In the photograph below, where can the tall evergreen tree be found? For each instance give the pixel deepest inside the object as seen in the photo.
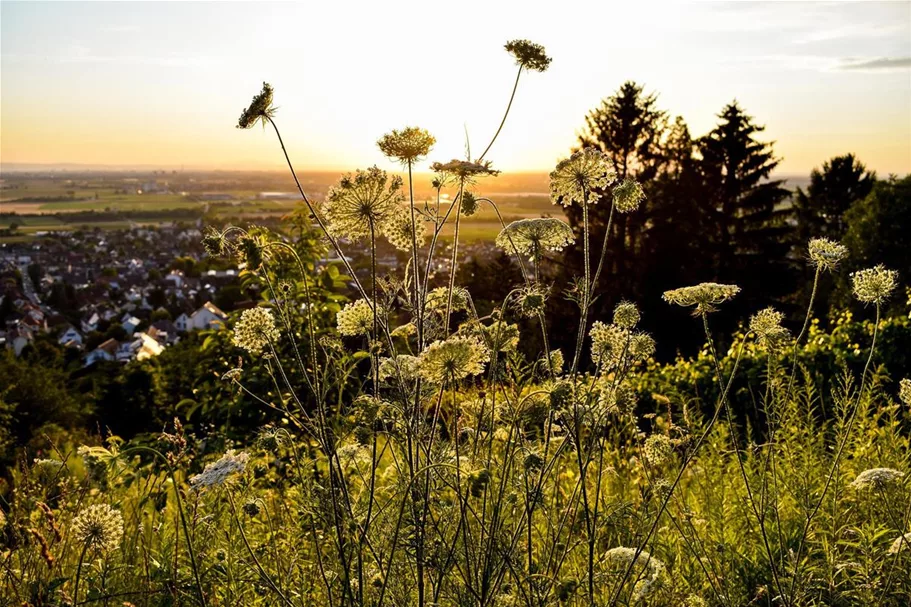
(821, 210)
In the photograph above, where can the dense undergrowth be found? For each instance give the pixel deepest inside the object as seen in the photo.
(421, 459)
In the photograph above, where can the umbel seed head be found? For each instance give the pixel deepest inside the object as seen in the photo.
(260, 109)
(529, 55)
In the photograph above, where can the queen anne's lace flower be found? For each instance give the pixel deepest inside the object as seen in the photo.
(255, 330)
(260, 109)
(438, 298)
(534, 236)
(581, 177)
(408, 146)
(404, 366)
(218, 472)
(466, 170)
(528, 54)
(874, 285)
(901, 543)
(626, 315)
(628, 195)
(877, 478)
(99, 527)
(904, 391)
(356, 318)
(608, 344)
(359, 200)
(452, 359)
(826, 254)
(398, 232)
(621, 557)
(766, 324)
(704, 296)
(657, 449)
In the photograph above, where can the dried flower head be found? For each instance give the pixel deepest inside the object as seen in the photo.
(652, 568)
(501, 337)
(465, 170)
(704, 296)
(402, 366)
(626, 315)
(657, 449)
(367, 198)
(580, 177)
(766, 324)
(469, 204)
(904, 391)
(218, 472)
(901, 543)
(255, 330)
(877, 478)
(628, 195)
(99, 527)
(398, 231)
(216, 243)
(618, 400)
(408, 146)
(452, 359)
(437, 299)
(826, 254)
(260, 109)
(534, 236)
(356, 318)
(874, 285)
(529, 55)
(641, 346)
(529, 301)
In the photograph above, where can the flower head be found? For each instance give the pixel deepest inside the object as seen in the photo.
(260, 109)
(704, 296)
(874, 285)
(528, 54)
(452, 359)
(766, 324)
(356, 318)
(904, 391)
(469, 204)
(218, 472)
(437, 299)
(529, 301)
(652, 568)
(367, 198)
(99, 526)
(534, 236)
(408, 146)
(608, 344)
(255, 330)
(657, 449)
(826, 254)
(626, 315)
(466, 170)
(877, 478)
(580, 177)
(628, 195)
(398, 231)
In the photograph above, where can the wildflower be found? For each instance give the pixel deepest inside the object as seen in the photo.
(766, 324)
(398, 231)
(618, 400)
(232, 374)
(874, 285)
(877, 478)
(98, 526)
(904, 391)
(366, 199)
(402, 365)
(260, 109)
(628, 195)
(534, 236)
(218, 472)
(408, 146)
(579, 177)
(452, 359)
(469, 204)
(555, 361)
(626, 315)
(465, 170)
(356, 318)
(215, 242)
(608, 344)
(641, 346)
(528, 54)
(47, 466)
(437, 299)
(501, 337)
(657, 449)
(901, 543)
(255, 330)
(252, 507)
(704, 296)
(529, 301)
(270, 438)
(826, 254)
(653, 568)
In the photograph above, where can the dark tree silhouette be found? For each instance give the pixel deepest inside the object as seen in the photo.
(821, 210)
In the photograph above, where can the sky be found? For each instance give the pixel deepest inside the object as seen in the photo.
(162, 84)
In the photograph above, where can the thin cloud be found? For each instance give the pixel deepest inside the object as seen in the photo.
(877, 64)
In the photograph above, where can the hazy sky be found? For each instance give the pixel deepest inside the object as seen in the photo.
(163, 83)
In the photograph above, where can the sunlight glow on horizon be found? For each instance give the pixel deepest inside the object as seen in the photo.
(163, 84)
